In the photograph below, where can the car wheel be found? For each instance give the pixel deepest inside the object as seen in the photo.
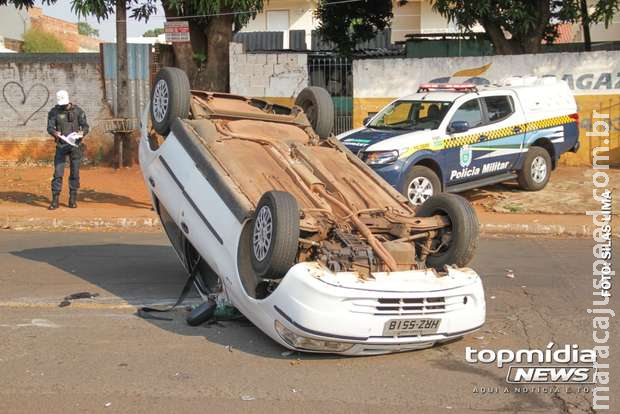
(420, 184)
(536, 170)
(170, 98)
(275, 234)
(456, 244)
(319, 109)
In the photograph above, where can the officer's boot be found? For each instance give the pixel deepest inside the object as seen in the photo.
(73, 199)
(54, 203)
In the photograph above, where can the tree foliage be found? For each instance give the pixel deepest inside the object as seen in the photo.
(346, 24)
(520, 26)
(39, 41)
(154, 32)
(87, 30)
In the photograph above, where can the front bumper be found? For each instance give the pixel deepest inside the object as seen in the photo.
(342, 308)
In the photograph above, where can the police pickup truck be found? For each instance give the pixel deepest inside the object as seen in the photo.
(455, 137)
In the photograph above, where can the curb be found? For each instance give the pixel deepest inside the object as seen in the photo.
(151, 224)
(102, 224)
(535, 229)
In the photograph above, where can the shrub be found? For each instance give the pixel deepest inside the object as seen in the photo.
(39, 41)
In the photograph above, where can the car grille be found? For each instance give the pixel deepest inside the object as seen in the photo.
(408, 306)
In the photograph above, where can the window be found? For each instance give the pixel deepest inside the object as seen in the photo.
(469, 112)
(499, 107)
(412, 115)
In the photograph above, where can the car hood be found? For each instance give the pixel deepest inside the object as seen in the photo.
(365, 137)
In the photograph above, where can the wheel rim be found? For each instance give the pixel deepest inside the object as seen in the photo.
(160, 100)
(420, 189)
(539, 169)
(263, 228)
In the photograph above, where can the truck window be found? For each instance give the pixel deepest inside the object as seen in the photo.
(470, 112)
(499, 107)
(411, 115)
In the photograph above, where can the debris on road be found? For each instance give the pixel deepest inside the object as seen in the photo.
(247, 398)
(510, 274)
(74, 296)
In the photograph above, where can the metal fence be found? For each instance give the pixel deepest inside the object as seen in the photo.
(334, 74)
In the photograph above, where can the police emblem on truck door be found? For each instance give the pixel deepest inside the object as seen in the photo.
(465, 156)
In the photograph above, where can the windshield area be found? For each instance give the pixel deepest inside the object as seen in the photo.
(411, 115)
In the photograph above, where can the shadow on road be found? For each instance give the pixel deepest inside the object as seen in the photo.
(25, 197)
(144, 274)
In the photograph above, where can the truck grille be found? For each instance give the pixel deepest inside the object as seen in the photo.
(408, 306)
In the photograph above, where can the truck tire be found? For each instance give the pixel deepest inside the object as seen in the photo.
(536, 170)
(170, 99)
(420, 184)
(461, 238)
(319, 109)
(275, 235)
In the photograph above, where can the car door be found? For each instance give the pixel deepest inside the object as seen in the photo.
(458, 156)
(501, 144)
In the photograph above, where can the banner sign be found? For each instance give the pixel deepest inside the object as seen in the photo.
(177, 31)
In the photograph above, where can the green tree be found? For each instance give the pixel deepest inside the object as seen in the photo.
(87, 30)
(39, 41)
(346, 24)
(154, 32)
(520, 26)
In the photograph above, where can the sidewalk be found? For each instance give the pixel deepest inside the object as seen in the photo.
(112, 200)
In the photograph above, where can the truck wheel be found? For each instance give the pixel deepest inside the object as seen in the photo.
(454, 245)
(275, 234)
(420, 184)
(536, 169)
(170, 98)
(319, 109)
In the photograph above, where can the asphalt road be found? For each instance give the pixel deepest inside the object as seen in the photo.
(98, 356)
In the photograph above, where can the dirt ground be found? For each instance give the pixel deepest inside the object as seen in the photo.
(107, 193)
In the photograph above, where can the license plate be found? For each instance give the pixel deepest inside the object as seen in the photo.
(408, 327)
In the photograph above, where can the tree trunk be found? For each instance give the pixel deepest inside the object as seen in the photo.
(585, 23)
(122, 76)
(215, 75)
(122, 146)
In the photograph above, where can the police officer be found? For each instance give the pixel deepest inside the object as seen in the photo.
(63, 119)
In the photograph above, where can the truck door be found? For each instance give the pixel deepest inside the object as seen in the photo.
(458, 158)
(501, 144)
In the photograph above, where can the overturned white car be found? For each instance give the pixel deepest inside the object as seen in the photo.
(289, 226)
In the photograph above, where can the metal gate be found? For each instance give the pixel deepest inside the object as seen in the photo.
(334, 74)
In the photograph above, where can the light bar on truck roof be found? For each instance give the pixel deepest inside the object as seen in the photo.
(455, 87)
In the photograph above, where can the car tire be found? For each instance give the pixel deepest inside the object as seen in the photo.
(319, 109)
(420, 184)
(275, 235)
(170, 99)
(463, 234)
(536, 170)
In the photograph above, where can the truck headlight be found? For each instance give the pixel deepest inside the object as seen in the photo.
(302, 342)
(379, 157)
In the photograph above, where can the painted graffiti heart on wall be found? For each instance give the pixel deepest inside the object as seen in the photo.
(25, 103)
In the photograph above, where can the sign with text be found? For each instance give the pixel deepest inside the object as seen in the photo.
(177, 31)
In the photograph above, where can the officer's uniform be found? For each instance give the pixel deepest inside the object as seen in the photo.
(65, 119)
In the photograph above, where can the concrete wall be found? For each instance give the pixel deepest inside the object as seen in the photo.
(28, 85)
(279, 77)
(594, 78)
(13, 22)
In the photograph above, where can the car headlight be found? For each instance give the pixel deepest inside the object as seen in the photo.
(379, 157)
(310, 344)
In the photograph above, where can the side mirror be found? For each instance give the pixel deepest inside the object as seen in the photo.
(366, 120)
(458, 126)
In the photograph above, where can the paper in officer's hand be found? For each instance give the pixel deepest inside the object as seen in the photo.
(71, 138)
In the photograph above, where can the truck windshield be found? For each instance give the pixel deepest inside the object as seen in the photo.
(411, 115)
